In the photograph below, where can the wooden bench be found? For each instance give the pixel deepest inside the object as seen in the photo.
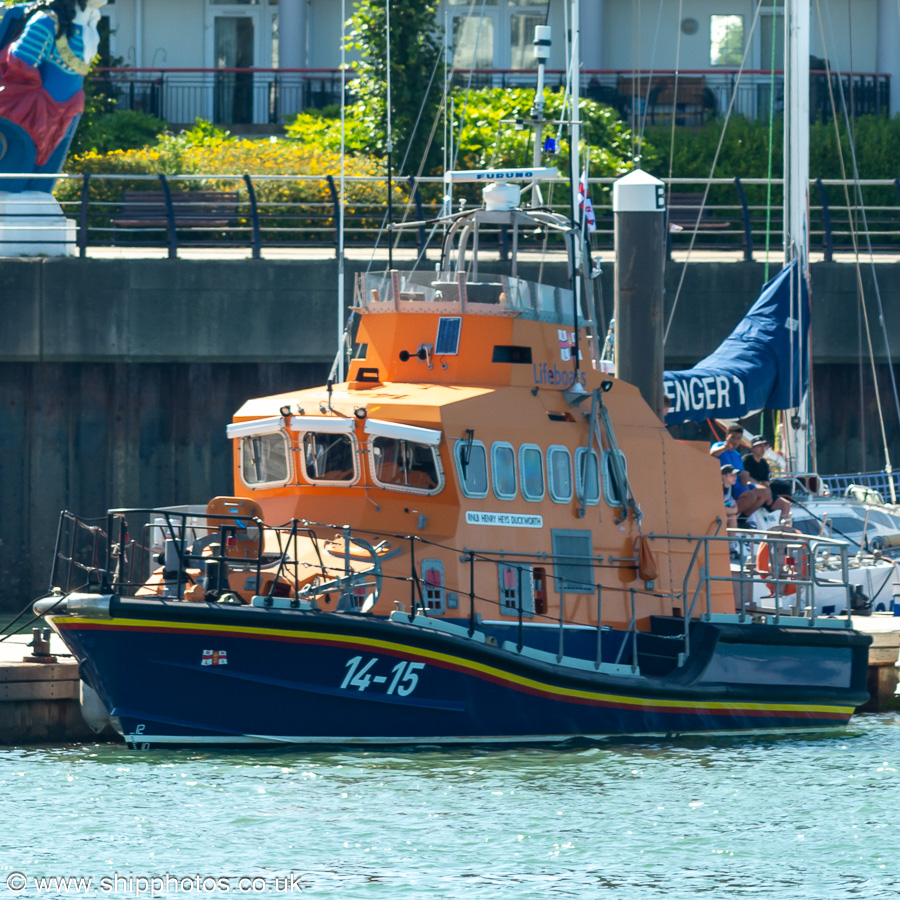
(190, 209)
(688, 101)
(686, 211)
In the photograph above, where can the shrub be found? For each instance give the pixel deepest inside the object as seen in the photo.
(284, 202)
(121, 130)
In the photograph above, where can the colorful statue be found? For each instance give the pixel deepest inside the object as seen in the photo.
(46, 49)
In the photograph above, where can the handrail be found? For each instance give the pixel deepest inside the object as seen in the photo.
(273, 213)
(114, 558)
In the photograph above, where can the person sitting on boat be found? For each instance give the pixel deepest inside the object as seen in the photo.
(757, 466)
(729, 477)
(748, 495)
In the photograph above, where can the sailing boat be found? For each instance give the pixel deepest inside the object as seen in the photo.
(765, 363)
(478, 537)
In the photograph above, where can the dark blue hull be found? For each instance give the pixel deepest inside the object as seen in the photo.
(179, 673)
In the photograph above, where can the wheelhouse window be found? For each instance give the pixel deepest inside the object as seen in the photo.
(265, 459)
(587, 476)
(400, 464)
(503, 470)
(531, 472)
(615, 477)
(559, 474)
(471, 466)
(329, 457)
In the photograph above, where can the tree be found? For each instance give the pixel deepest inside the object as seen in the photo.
(417, 74)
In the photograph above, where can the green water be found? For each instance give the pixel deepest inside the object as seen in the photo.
(804, 817)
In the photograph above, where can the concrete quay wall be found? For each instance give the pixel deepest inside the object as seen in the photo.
(117, 377)
(226, 311)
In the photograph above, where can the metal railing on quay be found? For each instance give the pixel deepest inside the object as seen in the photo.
(258, 212)
(258, 96)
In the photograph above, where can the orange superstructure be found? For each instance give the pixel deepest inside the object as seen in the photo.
(520, 469)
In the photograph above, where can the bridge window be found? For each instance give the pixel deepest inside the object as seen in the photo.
(471, 464)
(399, 464)
(329, 457)
(503, 470)
(531, 471)
(587, 476)
(265, 459)
(559, 474)
(615, 477)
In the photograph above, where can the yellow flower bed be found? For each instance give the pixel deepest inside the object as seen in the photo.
(283, 204)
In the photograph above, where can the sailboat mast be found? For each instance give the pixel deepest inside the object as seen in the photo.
(796, 201)
(574, 173)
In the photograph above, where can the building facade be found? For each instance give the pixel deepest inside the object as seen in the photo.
(188, 47)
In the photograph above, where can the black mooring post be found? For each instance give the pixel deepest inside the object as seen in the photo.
(639, 207)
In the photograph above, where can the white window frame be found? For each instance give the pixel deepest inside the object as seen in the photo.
(579, 486)
(330, 482)
(611, 497)
(559, 498)
(475, 495)
(406, 488)
(262, 485)
(504, 445)
(522, 450)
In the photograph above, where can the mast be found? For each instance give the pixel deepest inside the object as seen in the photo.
(574, 173)
(796, 199)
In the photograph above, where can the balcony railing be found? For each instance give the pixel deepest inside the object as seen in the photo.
(277, 213)
(271, 96)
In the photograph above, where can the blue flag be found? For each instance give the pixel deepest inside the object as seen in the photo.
(762, 364)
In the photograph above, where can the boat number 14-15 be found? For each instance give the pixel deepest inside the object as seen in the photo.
(402, 680)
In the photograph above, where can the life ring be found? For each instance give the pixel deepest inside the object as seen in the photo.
(786, 579)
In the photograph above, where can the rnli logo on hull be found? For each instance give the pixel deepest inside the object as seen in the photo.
(507, 520)
(214, 658)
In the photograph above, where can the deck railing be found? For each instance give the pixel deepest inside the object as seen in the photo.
(169, 553)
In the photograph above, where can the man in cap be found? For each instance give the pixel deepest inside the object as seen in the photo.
(757, 467)
(748, 495)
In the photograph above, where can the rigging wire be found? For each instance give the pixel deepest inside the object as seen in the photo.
(339, 359)
(675, 106)
(862, 212)
(731, 102)
(643, 118)
(771, 145)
